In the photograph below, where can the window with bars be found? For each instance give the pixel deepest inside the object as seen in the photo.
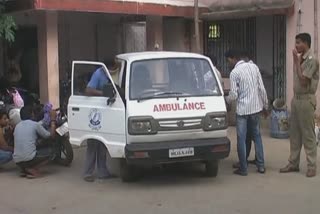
(229, 34)
(214, 31)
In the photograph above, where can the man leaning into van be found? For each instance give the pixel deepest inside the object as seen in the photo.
(248, 90)
(96, 151)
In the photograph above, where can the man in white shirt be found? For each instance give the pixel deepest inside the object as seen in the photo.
(248, 90)
(245, 56)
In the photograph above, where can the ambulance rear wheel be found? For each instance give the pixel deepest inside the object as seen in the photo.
(128, 173)
(212, 168)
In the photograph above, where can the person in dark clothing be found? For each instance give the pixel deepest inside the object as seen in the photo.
(5, 149)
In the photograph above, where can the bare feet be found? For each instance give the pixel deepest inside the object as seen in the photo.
(33, 173)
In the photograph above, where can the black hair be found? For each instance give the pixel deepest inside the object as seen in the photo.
(109, 63)
(26, 113)
(38, 112)
(233, 53)
(245, 53)
(305, 38)
(2, 113)
(213, 60)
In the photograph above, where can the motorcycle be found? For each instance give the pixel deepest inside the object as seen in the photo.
(62, 146)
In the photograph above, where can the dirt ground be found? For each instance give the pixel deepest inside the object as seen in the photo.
(179, 189)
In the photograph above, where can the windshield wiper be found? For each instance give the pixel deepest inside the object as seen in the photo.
(144, 98)
(160, 94)
(167, 93)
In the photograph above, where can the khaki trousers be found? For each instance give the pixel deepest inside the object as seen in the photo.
(302, 130)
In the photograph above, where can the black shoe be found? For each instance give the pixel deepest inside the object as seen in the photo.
(261, 170)
(239, 172)
(236, 165)
(89, 178)
(107, 177)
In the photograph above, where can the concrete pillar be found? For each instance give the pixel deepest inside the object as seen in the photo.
(154, 30)
(48, 57)
(193, 37)
(307, 26)
(318, 43)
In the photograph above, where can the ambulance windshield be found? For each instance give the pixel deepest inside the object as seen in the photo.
(172, 77)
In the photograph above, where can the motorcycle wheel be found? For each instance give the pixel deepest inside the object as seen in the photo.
(65, 156)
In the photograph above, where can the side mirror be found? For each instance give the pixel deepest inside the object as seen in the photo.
(108, 91)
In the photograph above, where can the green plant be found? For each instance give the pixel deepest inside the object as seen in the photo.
(7, 23)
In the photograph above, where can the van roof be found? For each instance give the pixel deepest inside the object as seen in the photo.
(158, 55)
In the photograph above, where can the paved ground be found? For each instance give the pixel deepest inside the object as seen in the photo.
(179, 190)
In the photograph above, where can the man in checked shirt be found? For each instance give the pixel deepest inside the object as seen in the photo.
(249, 92)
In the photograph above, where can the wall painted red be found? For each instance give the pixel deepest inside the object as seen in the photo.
(117, 7)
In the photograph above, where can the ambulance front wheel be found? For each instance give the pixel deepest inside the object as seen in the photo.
(128, 173)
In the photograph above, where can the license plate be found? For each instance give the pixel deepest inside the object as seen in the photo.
(63, 129)
(178, 153)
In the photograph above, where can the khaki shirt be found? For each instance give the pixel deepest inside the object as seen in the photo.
(115, 75)
(310, 69)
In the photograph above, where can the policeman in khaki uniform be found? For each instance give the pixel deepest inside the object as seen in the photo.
(302, 127)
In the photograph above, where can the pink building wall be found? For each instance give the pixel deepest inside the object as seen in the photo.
(307, 25)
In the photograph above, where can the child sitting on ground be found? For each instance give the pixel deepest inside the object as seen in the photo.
(5, 149)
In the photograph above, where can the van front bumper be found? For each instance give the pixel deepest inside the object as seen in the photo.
(158, 152)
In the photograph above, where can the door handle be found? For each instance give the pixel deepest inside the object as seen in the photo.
(75, 109)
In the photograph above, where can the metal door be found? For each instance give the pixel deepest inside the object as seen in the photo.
(134, 35)
(279, 57)
(92, 117)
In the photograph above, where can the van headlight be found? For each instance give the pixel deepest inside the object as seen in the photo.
(142, 126)
(215, 121)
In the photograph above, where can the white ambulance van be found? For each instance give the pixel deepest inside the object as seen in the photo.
(165, 107)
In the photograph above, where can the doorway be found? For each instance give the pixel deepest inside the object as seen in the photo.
(24, 53)
(134, 37)
(263, 37)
